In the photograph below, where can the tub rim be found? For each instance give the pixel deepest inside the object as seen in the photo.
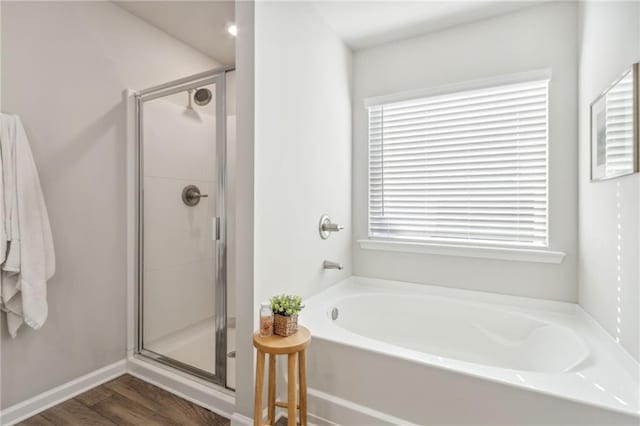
(323, 328)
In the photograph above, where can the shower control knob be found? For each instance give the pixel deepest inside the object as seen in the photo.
(326, 227)
(191, 195)
(332, 227)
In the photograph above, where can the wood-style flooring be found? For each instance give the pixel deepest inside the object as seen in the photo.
(126, 401)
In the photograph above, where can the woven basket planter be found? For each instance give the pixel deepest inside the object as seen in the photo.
(285, 326)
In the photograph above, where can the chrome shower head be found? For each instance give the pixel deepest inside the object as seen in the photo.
(202, 96)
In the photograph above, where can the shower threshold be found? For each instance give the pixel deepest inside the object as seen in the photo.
(194, 347)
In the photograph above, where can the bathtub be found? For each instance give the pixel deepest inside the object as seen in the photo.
(388, 352)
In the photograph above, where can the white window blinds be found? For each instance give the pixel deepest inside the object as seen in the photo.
(465, 167)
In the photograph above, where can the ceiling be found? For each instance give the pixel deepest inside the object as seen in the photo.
(363, 24)
(200, 24)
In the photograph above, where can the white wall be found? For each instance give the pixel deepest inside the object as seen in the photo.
(531, 39)
(240, 226)
(1, 61)
(65, 66)
(609, 220)
(302, 150)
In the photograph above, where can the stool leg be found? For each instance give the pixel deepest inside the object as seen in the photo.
(302, 370)
(291, 400)
(257, 407)
(272, 389)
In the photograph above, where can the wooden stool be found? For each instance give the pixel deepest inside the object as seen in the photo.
(292, 346)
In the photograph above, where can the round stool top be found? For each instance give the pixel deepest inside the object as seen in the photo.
(283, 345)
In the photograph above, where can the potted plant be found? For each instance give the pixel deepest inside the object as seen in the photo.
(285, 314)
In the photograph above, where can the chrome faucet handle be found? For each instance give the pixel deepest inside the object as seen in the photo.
(191, 195)
(332, 227)
(326, 227)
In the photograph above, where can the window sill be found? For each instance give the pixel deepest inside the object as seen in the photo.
(502, 253)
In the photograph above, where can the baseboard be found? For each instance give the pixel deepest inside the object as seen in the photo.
(325, 409)
(238, 419)
(186, 387)
(41, 402)
(201, 394)
(329, 410)
(315, 420)
(241, 420)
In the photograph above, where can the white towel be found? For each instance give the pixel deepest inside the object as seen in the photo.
(30, 259)
(4, 237)
(8, 138)
(9, 226)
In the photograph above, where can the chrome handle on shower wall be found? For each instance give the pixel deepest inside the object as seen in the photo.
(332, 227)
(191, 195)
(326, 227)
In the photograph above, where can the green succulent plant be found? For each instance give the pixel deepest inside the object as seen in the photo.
(287, 305)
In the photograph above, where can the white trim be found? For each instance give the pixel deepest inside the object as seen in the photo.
(325, 409)
(522, 77)
(238, 419)
(338, 411)
(485, 252)
(337, 408)
(199, 392)
(217, 400)
(129, 100)
(315, 420)
(32, 406)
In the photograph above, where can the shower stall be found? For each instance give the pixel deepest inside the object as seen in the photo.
(182, 140)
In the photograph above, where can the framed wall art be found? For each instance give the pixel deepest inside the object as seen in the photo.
(614, 128)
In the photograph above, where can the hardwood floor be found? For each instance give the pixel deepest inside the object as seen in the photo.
(126, 401)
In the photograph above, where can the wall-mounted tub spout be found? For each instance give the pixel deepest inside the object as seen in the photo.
(327, 264)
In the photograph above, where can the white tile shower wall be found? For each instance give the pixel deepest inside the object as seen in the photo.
(302, 150)
(181, 141)
(609, 221)
(179, 150)
(64, 68)
(543, 36)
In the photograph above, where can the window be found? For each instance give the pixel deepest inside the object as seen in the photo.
(468, 167)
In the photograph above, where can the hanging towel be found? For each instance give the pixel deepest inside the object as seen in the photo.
(5, 136)
(8, 139)
(30, 258)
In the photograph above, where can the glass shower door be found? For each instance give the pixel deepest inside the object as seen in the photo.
(182, 288)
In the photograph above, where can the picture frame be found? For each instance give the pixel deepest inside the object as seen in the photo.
(614, 128)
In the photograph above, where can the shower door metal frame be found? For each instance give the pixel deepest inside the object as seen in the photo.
(217, 77)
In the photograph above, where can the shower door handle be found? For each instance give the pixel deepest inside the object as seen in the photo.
(216, 228)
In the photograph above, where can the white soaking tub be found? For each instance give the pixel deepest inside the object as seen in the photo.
(396, 353)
